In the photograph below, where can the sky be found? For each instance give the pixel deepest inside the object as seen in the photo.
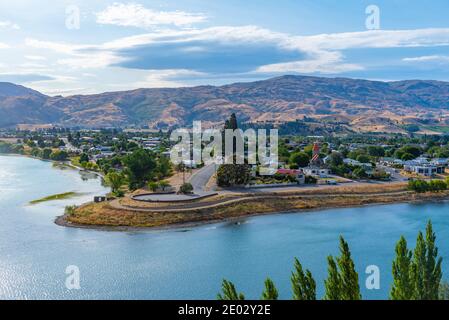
(84, 47)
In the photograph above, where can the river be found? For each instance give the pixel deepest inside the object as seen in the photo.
(188, 263)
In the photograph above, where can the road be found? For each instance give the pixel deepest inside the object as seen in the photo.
(200, 179)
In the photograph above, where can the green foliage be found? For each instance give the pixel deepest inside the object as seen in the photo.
(229, 175)
(186, 188)
(229, 292)
(402, 288)
(70, 210)
(270, 292)
(299, 159)
(115, 180)
(310, 180)
(153, 186)
(46, 153)
(139, 168)
(303, 284)
(84, 158)
(421, 186)
(376, 151)
(360, 173)
(363, 158)
(417, 277)
(407, 152)
(335, 159)
(343, 280)
(59, 155)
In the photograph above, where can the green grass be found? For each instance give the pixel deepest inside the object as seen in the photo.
(441, 129)
(60, 196)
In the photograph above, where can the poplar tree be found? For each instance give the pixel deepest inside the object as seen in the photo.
(402, 288)
(303, 284)
(426, 270)
(229, 292)
(343, 280)
(270, 292)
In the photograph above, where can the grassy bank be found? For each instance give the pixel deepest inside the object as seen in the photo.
(104, 214)
(60, 196)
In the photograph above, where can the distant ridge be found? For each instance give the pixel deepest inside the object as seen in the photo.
(361, 104)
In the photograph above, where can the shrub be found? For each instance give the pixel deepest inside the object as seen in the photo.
(186, 188)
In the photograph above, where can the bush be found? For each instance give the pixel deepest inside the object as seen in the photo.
(422, 186)
(186, 188)
(311, 180)
(229, 175)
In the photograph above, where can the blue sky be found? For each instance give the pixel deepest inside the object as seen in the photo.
(127, 45)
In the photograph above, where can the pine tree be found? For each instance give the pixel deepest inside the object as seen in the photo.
(303, 284)
(402, 288)
(418, 268)
(343, 280)
(229, 292)
(270, 292)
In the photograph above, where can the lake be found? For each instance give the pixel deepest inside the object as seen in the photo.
(188, 263)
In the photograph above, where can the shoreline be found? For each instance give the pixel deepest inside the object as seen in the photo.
(426, 198)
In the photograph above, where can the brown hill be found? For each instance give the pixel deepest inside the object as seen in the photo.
(361, 103)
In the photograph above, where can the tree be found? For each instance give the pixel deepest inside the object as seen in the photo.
(186, 188)
(229, 292)
(46, 153)
(115, 180)
(300, 159)
(84, 158)
(140, 166)
(164, 185)
(303, 284)
(59, 155)
(402, 288)
(164, 167)
(343, 280)
(232, 123)
(153, 186)
(270, 292)
(233, 174)
(333, 282)
(376, 151)
(335, 159)
(426, 270)
(363, 158)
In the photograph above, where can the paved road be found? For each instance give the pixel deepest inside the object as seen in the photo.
(200, 179)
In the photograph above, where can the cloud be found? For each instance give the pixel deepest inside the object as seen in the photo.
(35, 58)
(9, 25)
(432, 58)
(136, 15)
(23, 77)
(234, 52)
(169, 78)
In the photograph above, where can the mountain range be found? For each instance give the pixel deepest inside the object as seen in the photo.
(358, 104)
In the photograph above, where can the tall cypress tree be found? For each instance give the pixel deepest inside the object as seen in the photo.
(343, 280)
(433, 273)
(402, 288)
(350, 278)
(419, 268)
(229, 292)
(303, 284)
(270, 292)
(333, 282)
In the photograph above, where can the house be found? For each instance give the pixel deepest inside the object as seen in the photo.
(423, 167)
(316, 171)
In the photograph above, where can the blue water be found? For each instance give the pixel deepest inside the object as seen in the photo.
(183, 264)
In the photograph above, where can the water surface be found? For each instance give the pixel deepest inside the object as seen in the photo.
(183, 264)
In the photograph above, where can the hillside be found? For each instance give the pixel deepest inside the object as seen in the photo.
(359, 104)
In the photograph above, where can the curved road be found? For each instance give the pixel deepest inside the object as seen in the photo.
(200, 178)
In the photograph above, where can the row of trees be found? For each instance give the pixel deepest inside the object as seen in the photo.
(416, 275)
(422, 186)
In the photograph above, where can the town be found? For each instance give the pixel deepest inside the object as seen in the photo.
(136, 165)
